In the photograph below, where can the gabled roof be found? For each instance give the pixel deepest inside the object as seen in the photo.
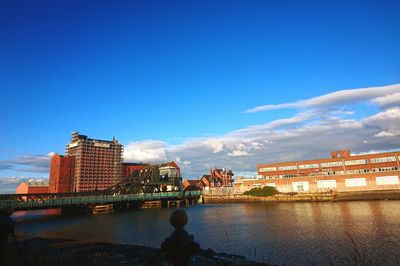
(192, 182)
(207, 177)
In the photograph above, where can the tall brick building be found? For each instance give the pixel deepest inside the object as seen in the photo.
(341, 172)
(97, 162)
(62, 173)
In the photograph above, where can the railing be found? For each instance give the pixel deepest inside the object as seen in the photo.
(52, 200)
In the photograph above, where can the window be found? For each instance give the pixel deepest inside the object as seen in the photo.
(287, 167)
(356, 162)
(326, 183)
(383, 159)
(330, 164)
(300, 186)
(307, 166)
(355, 182)
(267, 169)
(387, 180)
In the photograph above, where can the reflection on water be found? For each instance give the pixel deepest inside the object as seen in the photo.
(283, 233)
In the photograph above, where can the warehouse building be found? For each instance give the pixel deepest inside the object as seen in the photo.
(341, 172)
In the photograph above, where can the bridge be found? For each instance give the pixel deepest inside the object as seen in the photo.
(22, 202)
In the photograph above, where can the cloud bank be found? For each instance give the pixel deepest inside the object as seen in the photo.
(322, 124)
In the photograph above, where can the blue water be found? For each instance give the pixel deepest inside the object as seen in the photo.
(280, 233)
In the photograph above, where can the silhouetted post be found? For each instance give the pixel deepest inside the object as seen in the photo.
(7, 226)
(180, 246)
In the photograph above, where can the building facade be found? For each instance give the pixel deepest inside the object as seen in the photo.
(62, 173)
(33, 187)
(128, 168)
(97, 162)
(341, 172)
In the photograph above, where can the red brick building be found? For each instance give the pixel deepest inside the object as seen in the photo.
(221, 177)
(33, 187)
(62, 173)
(341, 172)
(97, 162)
(127, 168)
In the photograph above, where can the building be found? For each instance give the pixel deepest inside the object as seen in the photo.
(128, 168)
(97, 162)
(191, 184)
(341, 172)
(33, 187)
(220, 177)
(62, 173)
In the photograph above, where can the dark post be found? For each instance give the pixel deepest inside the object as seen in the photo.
(6, 229)
(180, 246)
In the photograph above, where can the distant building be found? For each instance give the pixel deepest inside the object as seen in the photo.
(97, 162)
(33, 187)
(62, 173)
(221, 177)
(218, 177)
(127, 168)
(191, 184)
(206, 181)
(341, 172)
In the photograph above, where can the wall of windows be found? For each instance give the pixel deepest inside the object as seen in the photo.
(331, 164)
(356, 162)
(287, 167)
(267, 169)
(383, 159)
(308, 166)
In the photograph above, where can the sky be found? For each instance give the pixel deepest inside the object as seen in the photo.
(204, 83)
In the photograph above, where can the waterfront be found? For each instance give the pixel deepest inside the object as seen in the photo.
(284, 233)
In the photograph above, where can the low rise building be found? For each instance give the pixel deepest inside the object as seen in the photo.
(33, 187)
(341, 172)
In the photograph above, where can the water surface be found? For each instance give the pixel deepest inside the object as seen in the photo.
(282, 233)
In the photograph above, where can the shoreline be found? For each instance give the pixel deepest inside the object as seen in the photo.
(306, 197)
(55, 251)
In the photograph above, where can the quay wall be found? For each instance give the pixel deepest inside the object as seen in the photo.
(306, 197)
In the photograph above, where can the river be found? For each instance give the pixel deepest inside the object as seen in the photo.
(279, 233)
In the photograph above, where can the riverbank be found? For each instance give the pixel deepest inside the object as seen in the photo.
(63, 252)
(307, 197)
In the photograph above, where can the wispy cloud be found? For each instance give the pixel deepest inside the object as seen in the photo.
(28, 163)
(337, 98)
(8, 184)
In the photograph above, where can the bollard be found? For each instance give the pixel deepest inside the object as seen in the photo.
(180, 246)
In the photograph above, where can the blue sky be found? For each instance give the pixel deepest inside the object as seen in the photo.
(172, 80)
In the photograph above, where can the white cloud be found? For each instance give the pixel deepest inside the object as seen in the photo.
(388, 100)
(238, 153)
(335, 98)
(146, 151)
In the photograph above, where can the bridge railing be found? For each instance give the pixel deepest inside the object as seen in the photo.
(49, 200)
